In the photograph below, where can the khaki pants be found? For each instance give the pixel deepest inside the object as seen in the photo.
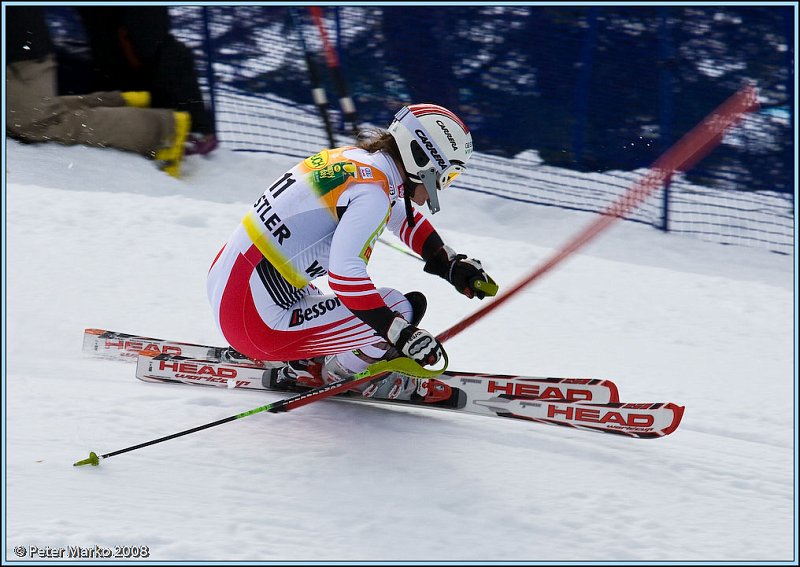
(34, 113)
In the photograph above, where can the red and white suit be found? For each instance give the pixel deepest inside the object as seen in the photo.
(322, 217)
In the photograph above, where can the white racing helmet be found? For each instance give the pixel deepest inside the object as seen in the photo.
(434, 144)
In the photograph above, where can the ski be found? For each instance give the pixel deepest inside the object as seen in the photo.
(449, 389)
(643, 421)
(580, 403)
(112, 344)
(126, 346)
(557, 401)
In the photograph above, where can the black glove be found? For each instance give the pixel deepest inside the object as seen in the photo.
(466, 274)
(413, 342)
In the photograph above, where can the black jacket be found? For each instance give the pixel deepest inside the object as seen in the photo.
(27, 34)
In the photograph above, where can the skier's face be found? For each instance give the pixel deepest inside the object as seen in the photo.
(419, 194)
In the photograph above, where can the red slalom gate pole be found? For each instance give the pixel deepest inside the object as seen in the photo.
(686, 152)
(345, 101)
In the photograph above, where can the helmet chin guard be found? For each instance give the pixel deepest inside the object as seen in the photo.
(428, 179)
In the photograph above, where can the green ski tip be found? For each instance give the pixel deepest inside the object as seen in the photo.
(93, 460)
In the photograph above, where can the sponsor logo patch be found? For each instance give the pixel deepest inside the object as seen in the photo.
(300, 316)
(317, 161)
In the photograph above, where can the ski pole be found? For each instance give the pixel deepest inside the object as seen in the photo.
(317, 90)
(374, 371)
(345, 101)
(681, 156)
(400, 248)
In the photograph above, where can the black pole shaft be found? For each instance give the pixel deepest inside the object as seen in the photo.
(173, 436)
(286, 404)
(345, 101)
(317, 90)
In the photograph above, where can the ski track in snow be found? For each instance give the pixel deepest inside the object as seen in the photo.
(97, 238)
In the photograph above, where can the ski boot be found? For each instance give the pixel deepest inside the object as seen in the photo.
(230, 354)
(295, 375)
(300, 375)
(343, 365)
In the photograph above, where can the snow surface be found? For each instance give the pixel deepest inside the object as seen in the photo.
(99, 238)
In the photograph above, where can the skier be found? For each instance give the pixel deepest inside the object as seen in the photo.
(324, 216)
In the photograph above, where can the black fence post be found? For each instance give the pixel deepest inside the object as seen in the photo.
(666, 61)
(210, 57)
(582, 88)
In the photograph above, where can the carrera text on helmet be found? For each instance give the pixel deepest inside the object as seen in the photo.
(448, 134)
(431, 148)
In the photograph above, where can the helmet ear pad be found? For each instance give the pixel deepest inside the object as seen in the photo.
(420, 157)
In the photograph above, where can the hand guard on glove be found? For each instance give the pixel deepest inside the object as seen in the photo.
(466, 274)
(413, 342)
